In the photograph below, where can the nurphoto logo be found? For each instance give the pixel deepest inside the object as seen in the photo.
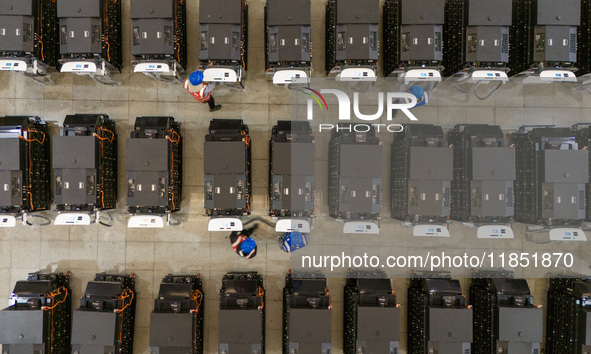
(402, 101)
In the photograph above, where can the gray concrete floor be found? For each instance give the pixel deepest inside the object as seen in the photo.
(189, 248)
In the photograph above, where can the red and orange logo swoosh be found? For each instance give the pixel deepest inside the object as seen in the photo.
(317, 97)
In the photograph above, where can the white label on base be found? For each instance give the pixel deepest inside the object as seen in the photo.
(357, 74)
(567, 234)
(549, 76)
(83, 67)
(557, 75)
(151, 68)
(224, 224)
(7, 221)
(361, 227)
(290, 77)
(494, 231)
(72, 219)
(145, 222)
(13, 65)
(289, 225)
(489, 75)
(415, 75)
(430, 231)
(219, 75)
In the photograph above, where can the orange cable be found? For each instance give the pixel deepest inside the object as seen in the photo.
(172, 141)
(30, 186)
(52, 296)
(31, 140)
(261, 293)
(196, 296)
(102, 139)
(178, 55)
(40, 39)
(55, 293)
(106, 37)
(122, 298)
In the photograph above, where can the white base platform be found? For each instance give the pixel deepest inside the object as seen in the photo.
(356, 74)
(430, 231)
(72, 219)
(495, 232)
(361, 227)
(286, 77)
(7, 221)
(289, 225)
(418, 75)
(13, 65)
(567, 234)
(145, 222)
(224, 224)
(220, 75)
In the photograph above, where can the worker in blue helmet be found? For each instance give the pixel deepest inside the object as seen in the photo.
(201, 91)
(293, 241)
(423, 95)
(243, 244)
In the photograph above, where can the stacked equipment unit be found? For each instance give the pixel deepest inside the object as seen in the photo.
(291, 167)
(223, 36)
(583, 138)
(228, 175)
(372, 317)
(422, 173)
(85, 164)
(159, 37)
(506, 321)
(355, 173)
(242, 314)
(287, 35)
(90, 34)
(438, 319)
(484, 176)
(29, 42)
(307, 315)
(413, 34)
(552, 171)
(351, 34)
(105, 320)
(568, 322)
(154, 166)
(544, 35)
(38, 319)
(584, 39)
(476, 34)
(25, 170)
(176, 324)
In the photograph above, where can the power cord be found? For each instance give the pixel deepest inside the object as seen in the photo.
(46, 221)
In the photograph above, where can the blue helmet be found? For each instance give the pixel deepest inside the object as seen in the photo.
(248, 245)
(296, 238)
(293, 241)
(196, 78)
(417, 91)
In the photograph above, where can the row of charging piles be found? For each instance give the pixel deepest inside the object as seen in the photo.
(84, 161)
(476, 42)
(85, 38)
(354, 186)
(477, 177)
(477, 36)
(228, 175)
(81, 37)
(501, 316)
